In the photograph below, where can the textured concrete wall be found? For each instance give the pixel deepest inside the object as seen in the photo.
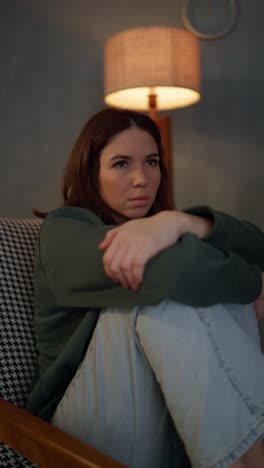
(51, 80)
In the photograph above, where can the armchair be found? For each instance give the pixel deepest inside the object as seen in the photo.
(25, 440)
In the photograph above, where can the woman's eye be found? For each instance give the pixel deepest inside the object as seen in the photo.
(153, 162)
(120, 164)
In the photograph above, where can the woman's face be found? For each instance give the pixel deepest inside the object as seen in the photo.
(129, 174)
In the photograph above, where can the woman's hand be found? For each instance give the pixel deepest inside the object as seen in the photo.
(129, 246)
(259, 303)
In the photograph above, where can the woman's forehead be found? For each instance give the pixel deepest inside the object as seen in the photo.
(131, 141)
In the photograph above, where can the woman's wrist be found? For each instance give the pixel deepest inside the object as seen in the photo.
(197, 225)
(179, 223)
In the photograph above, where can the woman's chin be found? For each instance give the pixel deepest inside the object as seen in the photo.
(138, 212)
(122, 217)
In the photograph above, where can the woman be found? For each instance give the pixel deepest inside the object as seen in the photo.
(142, 344)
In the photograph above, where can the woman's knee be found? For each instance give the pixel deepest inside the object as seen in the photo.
(169, 320)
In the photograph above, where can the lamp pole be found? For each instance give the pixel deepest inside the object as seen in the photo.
(164, 125)
(152, 99)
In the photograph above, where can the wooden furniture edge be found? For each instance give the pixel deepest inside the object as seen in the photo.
(44, 444)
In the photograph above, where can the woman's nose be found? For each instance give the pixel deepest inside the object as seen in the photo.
(140, 177)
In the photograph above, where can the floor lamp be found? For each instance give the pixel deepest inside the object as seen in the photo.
(153, 69)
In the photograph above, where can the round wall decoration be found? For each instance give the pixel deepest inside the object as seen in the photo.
(209, 19)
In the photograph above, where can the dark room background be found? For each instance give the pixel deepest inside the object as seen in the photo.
(51, 80)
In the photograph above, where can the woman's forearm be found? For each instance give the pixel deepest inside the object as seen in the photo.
(177, 223)
(231, 234)
(190, 271)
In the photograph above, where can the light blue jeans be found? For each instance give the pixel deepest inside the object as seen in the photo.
(158, 382)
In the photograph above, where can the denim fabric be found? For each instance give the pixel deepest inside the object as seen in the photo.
(149, 370)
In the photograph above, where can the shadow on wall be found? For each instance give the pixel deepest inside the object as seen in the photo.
(230, 109)
(218, 149)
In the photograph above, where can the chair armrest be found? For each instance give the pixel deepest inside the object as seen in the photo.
(44, 444)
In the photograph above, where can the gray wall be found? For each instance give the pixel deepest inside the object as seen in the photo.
(51, 80)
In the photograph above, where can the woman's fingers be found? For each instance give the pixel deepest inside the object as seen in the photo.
(113, 264)
(111, 252)
(132, 266)
(117, 263)
(112, 261)
(126, 254)
(125, 261)
(110, 235)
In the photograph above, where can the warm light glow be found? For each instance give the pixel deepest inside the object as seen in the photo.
(168, 97)
(153, 60)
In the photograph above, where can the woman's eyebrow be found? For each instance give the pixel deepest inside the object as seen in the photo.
(125, 156)
(153, 155)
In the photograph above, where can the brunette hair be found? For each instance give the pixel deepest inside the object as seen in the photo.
(80, 181)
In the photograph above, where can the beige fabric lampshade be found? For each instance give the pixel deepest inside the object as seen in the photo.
(152, 60)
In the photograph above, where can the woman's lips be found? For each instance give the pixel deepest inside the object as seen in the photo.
(139, 201)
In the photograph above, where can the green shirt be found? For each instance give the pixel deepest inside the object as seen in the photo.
(71, 285)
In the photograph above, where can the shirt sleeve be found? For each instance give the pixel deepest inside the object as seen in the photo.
(191, 271)
(230, 234)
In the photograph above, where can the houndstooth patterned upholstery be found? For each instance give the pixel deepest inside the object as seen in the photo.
(17, 345)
